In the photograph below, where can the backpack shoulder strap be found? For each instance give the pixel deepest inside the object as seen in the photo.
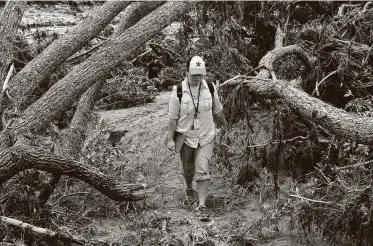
(211, 89)
(179, 91)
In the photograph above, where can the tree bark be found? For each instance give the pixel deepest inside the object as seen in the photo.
(21, 157)
(279, 37)
(9, 21)
(134, 13)
(71, 139)
(97, 67)
(40, 68)
(274, 55)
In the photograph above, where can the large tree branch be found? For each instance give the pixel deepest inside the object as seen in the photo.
(71, 139)
(10, 19)
(21, 157)
(40, 68)
(130, 16)
(135, 12)
(97, 67)
(337, 121)
(274, 55)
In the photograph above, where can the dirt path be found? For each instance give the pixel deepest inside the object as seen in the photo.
(164, 218)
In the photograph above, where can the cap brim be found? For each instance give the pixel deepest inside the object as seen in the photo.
(201, 71)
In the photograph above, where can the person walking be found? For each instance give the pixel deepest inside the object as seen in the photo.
(193, 106)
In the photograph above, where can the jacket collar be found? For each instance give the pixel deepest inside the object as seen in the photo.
(186, 88)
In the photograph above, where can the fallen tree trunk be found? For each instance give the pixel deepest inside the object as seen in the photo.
(97, 67)
(69, 142)
(40, 68)
(10, 19)
(71, 139)
(335, 120)
(21, 157)
(133, 13)
(130, 16)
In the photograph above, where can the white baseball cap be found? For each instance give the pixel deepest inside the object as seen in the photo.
(197, 66)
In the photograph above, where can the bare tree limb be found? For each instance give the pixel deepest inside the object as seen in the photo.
(21, 157)
(366, 6)
(316, 90)
(10, 20)
(311, 200)
(5, 90)
(335, 120)
(135, 12)
(274, 55)
(40, 230)
(279, 37)
(355, 165)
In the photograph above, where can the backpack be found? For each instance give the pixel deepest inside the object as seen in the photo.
(180, 93)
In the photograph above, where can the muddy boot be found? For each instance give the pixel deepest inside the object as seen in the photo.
(203, 214)
(192, 196)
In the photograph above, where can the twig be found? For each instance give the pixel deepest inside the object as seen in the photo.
(367, 57)
(366, 6)
(84, 53)
(327, 76)
(6, 91)
(5, 86)
(116, 208)
(287, 141)
(310, 200)
(326, 22)
(227, 81)
(141, 55)
(102, 38)
(326, 178)
(166, 49)
(355, 165)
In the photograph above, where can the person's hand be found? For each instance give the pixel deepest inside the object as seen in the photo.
(171, 145)
(220, 133)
